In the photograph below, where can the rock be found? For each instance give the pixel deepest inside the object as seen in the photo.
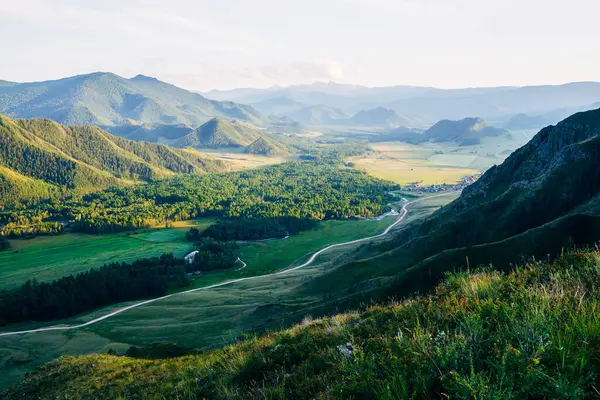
(346, 350)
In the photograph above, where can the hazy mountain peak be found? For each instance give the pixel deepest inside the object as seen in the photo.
(467, 131)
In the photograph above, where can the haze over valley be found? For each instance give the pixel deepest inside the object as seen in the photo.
(342, 199)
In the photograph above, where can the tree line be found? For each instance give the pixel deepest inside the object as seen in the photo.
(13, 230)
(73, 294)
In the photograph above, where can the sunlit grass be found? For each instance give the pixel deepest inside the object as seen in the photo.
(534, 333)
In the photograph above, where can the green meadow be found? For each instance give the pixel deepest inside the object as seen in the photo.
(209, 318)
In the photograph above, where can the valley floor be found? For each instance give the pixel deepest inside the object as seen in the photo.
(208, 318)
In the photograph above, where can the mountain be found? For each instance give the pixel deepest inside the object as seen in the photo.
(153, 133)
(423, 106)
(330, 93)
(39, 157)
(377, 117)
(544, 198)
(107, 99)
(278, 106)
(458, 104)
(318, 115)
(465, 132)
(266, 147)
(524, 121)
(219, 132)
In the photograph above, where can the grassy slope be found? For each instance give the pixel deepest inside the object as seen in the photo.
(531, 334)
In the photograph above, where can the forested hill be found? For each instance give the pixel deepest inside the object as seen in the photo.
(40, 158)
(219, 132)
(107, 99)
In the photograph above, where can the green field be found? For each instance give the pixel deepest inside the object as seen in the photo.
(50, 257)
(214, 317)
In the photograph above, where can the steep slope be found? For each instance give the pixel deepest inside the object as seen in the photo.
(318, 115)
(41, 152)
(107, 99)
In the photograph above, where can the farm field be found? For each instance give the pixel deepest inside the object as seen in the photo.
(50, 257)
(210, 318)
(434, 163)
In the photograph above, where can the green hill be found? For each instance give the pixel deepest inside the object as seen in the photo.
(266, 147)
(107, 99)
(40, 157)
(219, 132)
(532, 334)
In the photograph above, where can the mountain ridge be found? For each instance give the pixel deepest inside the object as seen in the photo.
(104, 98)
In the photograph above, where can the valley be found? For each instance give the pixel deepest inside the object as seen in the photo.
(217, 310)
(145, 224)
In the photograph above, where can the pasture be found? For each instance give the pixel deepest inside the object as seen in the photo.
(210, 318)
(51, 257)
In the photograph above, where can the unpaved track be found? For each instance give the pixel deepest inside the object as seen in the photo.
(401, 216)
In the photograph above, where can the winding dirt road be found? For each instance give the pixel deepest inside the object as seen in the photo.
(401, 216)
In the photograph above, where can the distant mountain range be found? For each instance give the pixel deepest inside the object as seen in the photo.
(377, 117)
(40, 158)
(422, 105)
(278, 106)
(106, 99)
(318, 115)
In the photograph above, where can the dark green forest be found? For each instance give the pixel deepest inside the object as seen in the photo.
(73, 294)
(305, 190)
(227, 229)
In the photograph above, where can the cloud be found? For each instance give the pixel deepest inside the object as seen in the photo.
(298, 72)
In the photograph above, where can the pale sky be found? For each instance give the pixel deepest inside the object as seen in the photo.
(207, 44)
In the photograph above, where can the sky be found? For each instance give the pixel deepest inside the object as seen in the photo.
(224, 44)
